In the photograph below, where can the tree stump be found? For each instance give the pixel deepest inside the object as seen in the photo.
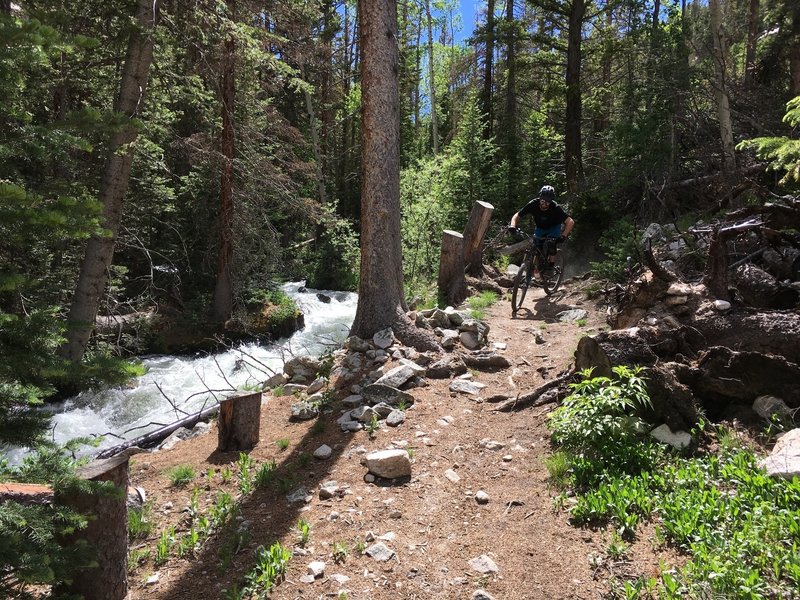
(239, 422)
(473, 236)
(451, 283)
(107, 530)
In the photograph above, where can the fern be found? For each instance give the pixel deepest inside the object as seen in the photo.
(782, 152)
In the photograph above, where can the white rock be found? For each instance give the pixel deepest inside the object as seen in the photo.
(784, 461)
(316, 385)
(452, 476)
(380, 552)
(384, 338)
(678, 439)
(499, 345)
(679, 289)
(766, 406)
(483, 564)
(339, 578)
(676, 300)
(574, 314)
(316, 568)
(481, 497)
(323, 452)
(397, 376)
(388, 463)
(472, 388)
(721, 305)
(153, 579)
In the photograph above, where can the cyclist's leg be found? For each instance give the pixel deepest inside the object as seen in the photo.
(547, 232)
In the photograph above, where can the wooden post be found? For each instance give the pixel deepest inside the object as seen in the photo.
(451, 283)
(107, 531)
(239, 422)
(473, 237)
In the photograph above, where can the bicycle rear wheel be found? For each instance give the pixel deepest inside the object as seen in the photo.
(521, 283)
(551, 280)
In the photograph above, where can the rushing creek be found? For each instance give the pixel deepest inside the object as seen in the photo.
(175, 386)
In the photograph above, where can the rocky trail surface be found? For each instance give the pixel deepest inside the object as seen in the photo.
(476, 518)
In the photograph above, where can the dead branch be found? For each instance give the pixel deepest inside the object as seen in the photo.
(537, 397)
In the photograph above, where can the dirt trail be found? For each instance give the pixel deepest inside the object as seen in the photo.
(433, 525)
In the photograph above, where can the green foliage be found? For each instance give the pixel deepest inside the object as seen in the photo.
(782, 152)
(181, 475)
(276, 308)
(265, 473)
(304, 531)
(140, 522)
(245, 465)
(334, 261)
(340, 551)
(268, 571)
(282, 443)
(617, 243)
(479, 303)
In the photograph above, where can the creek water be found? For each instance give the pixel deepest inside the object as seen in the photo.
(176, 386)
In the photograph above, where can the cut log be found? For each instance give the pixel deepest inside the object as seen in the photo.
(107, 531)
(451, 283)
(239, 422)
(473, 237)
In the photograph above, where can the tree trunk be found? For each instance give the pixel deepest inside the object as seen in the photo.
(473, 237)
(114, 183)
(721, 90)
(381, 302)
(315, 146)
(572, 134)
(431, 76)
(488, 68)
(107, 531)
(512, 141)
(223, 291)
(752, 38)
(451, 283)
(239, 422)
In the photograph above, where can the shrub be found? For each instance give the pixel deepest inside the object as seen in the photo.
(181, 475)
(617, 243)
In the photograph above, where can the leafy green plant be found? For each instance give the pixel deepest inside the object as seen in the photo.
(618, 242)
(265, 473)
(234, 543)
(137, 556)
(359, 547)
(245, 464)
(340, 551)
(164, 545)
(140, 523)
(373, 427)
(282, 443)
(783, 152)
(269, 569)
(304, 459)
(189, 543)
(581, 322)
(181, 475)
(226, 474)
(304, 530)
(617, 547)
(210, 475)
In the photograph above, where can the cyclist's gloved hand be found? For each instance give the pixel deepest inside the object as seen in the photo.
(514, 230)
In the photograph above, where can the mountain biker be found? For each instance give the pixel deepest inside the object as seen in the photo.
(551, 220)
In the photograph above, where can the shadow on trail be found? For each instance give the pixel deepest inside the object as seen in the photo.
(224, 560)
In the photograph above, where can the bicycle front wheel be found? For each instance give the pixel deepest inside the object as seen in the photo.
(521, 282)
(551, 280)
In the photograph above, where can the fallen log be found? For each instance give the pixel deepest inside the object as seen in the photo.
(154, 437)
(545, 394)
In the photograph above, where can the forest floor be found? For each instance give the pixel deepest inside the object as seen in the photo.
(434, 525)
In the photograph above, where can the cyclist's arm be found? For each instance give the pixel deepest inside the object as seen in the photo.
(568, 225)
(514, 220)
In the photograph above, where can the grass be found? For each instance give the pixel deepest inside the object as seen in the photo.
(282, 443)
(181, 475)
(340, 551)
(140, 524)
(478, 304)
(558, 468)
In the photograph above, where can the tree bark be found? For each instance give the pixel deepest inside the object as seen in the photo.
(488, 68)
(752, 38)
(114, 183)
(381, 301)
(451, 283)
(721, 90)
(473, 237)
(512, 141)
(107, 531)
(223, 290)
(315, 146)
(239, 422)
(572, 133)
(431, 76)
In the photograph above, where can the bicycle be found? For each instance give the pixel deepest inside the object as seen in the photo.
(537, 256)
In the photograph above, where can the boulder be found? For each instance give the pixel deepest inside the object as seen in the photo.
(389, 464)
(376, 392)
(678, 439)
(766, 406)
(784, 460)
